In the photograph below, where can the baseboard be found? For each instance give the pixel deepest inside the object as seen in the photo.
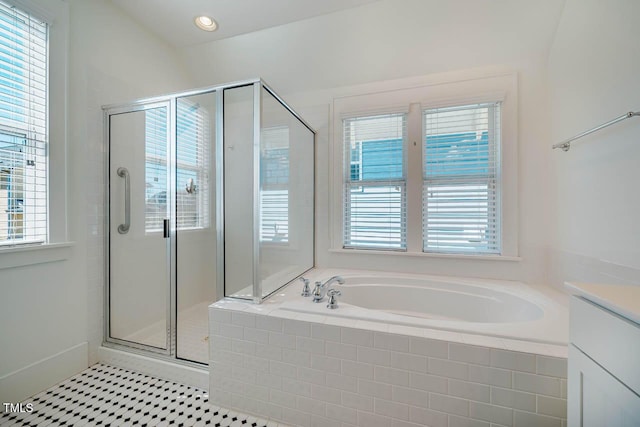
(195, 377)
(32, 379)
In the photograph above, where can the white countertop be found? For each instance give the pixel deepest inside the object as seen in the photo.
(621, 299)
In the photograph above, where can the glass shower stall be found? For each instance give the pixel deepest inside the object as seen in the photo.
(210, 195)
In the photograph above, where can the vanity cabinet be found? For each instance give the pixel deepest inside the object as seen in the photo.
(604, 367)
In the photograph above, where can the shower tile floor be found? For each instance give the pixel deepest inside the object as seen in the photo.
(108, 396)
(192, 337)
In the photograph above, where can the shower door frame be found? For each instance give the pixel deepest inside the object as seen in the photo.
(170, 354)
(171, 256)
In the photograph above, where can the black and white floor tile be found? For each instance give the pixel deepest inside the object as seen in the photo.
(108, 396)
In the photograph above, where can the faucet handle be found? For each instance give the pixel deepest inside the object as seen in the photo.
(333, 298)
(317, 293)
(306, 291)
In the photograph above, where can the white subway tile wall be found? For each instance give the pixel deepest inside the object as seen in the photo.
(308, 374)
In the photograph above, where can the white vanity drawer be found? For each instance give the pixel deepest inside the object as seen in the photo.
(612, 341)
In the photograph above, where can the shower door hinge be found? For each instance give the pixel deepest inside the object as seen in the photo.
(166, 228)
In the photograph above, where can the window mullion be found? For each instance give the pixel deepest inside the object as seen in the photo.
(413, 168)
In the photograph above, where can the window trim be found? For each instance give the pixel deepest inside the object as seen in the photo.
(414, 96)
(57, 247)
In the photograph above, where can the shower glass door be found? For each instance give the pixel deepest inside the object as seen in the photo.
(196, 239)
(139, 228)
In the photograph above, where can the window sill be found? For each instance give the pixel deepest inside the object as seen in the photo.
(20, 256)
(501, 258)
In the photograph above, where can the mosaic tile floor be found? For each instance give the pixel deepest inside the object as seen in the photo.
(108, 396)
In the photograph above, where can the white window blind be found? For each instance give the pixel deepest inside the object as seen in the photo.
(193, 134)
(156, 173)
(461, 177)
(23, 127)
(375, 182)
(193, 142)
(274, 185)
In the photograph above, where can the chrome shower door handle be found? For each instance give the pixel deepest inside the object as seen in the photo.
(124, 228)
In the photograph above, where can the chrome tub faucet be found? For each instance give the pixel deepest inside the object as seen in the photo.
(321, 289)
(306, 291)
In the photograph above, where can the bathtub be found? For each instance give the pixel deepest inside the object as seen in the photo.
(492, 308)
(400, 349)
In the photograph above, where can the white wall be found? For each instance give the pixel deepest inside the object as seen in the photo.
(113, 60)
(309, 62)
(48, 312)
(594, 66)
(34, 284)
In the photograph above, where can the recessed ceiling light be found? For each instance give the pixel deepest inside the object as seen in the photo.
(206, 23)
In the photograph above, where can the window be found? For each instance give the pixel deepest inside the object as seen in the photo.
(426, 167)
(274, 181)
(23, 127)
(155, 148)
(375, 182)
(192, 158)
(460, 190)
(193, 130)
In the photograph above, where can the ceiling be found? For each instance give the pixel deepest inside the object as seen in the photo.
(172, 20)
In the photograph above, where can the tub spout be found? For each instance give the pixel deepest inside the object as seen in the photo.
(321, 289)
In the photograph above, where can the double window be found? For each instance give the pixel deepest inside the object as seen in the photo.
(23, 127)
(459, 175)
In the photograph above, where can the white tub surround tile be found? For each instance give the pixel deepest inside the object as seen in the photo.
(491, 413)
(528, 419)
(548, 386)
(411, 362)
(429, 347)
(310, 345)
(524, 362)
(375, 356)
(391, 341)
(552, 406)
(293, 327)
(490, 376)
(448, 369)
(551, 366)
(357, 337)
(326, 332)
(297, 387)
(513, 399)
(391, 376)
(429, 383)
(394, 410)
(375, 389)
(448, 404)
(455, 421)
(368, 419)
(357, 369)
(470, 391)
(300, 373)
(470, 354)
(356, 401)
(428, 417)
(342, 351)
